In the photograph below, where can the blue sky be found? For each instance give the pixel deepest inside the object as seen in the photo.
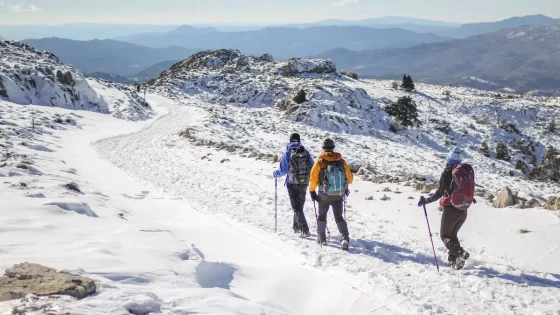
(262, 11)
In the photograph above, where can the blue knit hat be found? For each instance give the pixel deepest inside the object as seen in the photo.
(454, 156)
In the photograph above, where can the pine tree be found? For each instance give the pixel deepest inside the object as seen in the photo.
(521, 166)
(502, 152)
(534, 161)
(405, 112)
(407, 83)
(484, 149)
(551, 127)
(300, 97)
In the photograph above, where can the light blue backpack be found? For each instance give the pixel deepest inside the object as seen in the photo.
(334, 179)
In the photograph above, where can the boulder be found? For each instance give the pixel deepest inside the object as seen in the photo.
(505, 198)
(553, 203)
(354, 167)
(27, 278)
(427, 188)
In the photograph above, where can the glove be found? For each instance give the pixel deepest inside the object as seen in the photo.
(474, 201)
(422, 201)
(275, 173)
(314, 196)
(347, 192)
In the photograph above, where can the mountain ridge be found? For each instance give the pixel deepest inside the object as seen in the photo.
(524, 58)
(109, 56)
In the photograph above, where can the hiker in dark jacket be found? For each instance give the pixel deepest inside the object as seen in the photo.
(452, 218)
(296, 163)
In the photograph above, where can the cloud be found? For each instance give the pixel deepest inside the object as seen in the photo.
(345, 3)
(22, 7)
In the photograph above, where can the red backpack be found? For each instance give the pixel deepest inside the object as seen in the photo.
(462, 188)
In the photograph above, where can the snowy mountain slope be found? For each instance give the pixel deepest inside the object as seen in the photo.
(246, 102)
(390, 257)
(29, 76)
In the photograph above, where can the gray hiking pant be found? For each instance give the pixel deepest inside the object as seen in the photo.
(337, 204)
(452, 220)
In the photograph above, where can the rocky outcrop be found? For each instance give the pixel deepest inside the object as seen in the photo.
(26, 278)
(65, 78)
(505, 199)
(3, 92)
(296, 66)
(30, 76)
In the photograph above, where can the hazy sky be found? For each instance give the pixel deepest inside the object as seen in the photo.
(262, 11)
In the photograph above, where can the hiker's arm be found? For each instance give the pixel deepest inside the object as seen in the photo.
(314, 177)
(349, 175)
(284, 166)
(444, 184)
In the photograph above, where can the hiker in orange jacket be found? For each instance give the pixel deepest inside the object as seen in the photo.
(332, 175)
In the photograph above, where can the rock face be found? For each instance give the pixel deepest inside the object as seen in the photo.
(26, 278)
(505, 199)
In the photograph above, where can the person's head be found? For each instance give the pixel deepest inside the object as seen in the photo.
(294, 137)
(328, 145)
(454, 157)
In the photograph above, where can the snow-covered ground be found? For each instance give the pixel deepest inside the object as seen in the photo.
(173, 224)
(195, 234)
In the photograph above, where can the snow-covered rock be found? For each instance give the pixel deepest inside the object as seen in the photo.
(30, 76)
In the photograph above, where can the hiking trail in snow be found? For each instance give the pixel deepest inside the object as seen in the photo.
(389, 263)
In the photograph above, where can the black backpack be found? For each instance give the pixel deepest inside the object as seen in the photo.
(300, 169)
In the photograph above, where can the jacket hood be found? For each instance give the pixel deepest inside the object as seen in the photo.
(291, 145)
(326, 157)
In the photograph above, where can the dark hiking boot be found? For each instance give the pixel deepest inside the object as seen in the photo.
(296, 228)
(462, 259)
(305, 232)
(322, 240)
(344, 244)
(451, 261)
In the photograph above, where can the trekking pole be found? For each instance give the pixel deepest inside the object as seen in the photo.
(317, 223)
(344, 208)
(275, 205)
(430, 231)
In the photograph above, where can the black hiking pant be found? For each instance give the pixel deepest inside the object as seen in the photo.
(452, 220)
(337, 204)
(297, 193)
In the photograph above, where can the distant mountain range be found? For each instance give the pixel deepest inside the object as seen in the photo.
(283, 42)
(523, 58)
(472, 29)
(79, 31)
(445, 29)
(109, 56)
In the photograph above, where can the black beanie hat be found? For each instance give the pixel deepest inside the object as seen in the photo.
(294, 137)
(328, 144)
